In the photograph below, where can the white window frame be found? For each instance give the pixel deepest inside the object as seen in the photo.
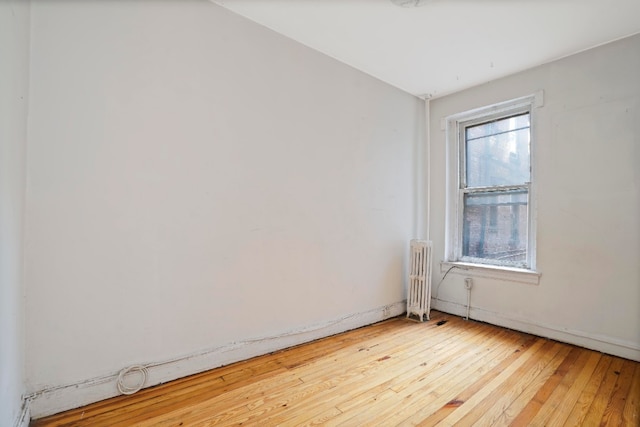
(455, 126)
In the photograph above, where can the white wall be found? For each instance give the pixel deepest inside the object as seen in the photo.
(195, 181)
(14, 83)
(587, 138)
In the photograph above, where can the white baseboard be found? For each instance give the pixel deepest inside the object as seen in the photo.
(61, 398)
(25, 416)
(604, 344)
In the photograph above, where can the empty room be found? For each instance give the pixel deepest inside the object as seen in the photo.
(319, 212)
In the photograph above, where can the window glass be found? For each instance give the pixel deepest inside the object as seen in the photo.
(497, 152)
(495, 226)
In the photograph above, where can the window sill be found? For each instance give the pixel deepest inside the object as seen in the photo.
(508, 274)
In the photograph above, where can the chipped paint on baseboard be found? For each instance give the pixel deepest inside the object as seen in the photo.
(54, 399)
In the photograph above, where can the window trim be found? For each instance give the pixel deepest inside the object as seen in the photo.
(509, 274)
(464, 189)
(455, 125)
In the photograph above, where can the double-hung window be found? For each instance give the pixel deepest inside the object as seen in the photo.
(490, 186)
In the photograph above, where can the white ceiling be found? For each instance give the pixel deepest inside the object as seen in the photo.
(445, 45)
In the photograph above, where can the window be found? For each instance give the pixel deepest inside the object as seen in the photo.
(490, 186)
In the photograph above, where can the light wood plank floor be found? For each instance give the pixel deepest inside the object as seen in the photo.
(443, 372)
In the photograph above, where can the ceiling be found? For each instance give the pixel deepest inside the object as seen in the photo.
(445, 45)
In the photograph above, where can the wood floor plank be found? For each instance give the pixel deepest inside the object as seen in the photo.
(392, 408)
(315, 389)
(229, 404)
(631, 411)
(466, 407)
(568, 392)
(378, 376)
(397, 344)
(613, 412)
(458, 350)
(344, 377)
(346, 374)
(557, 408)
(531, 409)
(362, 407)
(581, 407)
(449, 403)
(389, 378)
(176, 401)
(373, 364)
(508, 415)
(601, 400)
(489, 410)
(445, 372)
(445, 396)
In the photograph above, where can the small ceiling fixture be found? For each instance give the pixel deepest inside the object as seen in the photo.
(410, 3)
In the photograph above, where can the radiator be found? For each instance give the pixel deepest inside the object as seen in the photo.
(419, 292)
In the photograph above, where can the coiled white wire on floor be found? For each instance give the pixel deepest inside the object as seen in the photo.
(125, 389)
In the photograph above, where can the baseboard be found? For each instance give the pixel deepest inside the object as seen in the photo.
(61, 398)
(25, 416)
(604, 344)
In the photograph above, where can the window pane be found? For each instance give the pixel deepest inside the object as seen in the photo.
(495, 226)
(497, 152)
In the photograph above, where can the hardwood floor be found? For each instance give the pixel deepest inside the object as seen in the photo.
(443, 372)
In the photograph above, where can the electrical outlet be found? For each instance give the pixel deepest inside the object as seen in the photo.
(468, 283)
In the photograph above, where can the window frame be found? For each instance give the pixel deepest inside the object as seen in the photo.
(456, 176)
